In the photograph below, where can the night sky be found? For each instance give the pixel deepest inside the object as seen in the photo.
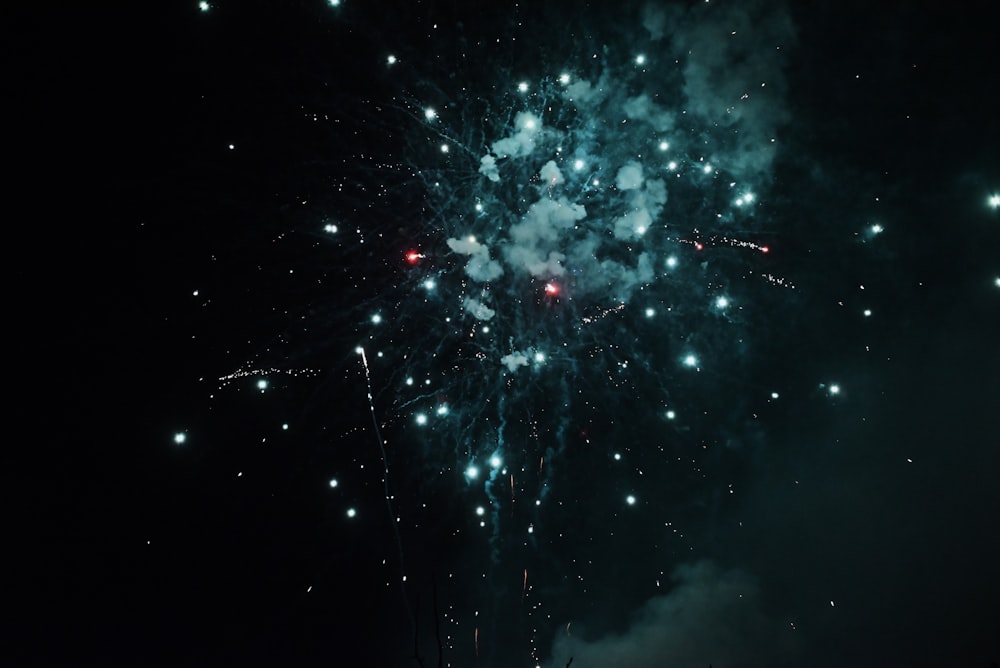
(505, 335)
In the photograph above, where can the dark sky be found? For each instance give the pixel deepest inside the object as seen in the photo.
(728, 325)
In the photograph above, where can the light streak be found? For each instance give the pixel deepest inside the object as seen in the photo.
(385, 488)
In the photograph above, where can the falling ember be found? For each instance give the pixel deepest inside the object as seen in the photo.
(551, 289)
(414, 257)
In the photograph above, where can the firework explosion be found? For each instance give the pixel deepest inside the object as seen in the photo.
(536, 333)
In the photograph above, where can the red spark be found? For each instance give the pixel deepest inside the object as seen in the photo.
(551, 289)
(414, 256)
(699, 246)
(765, 249)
